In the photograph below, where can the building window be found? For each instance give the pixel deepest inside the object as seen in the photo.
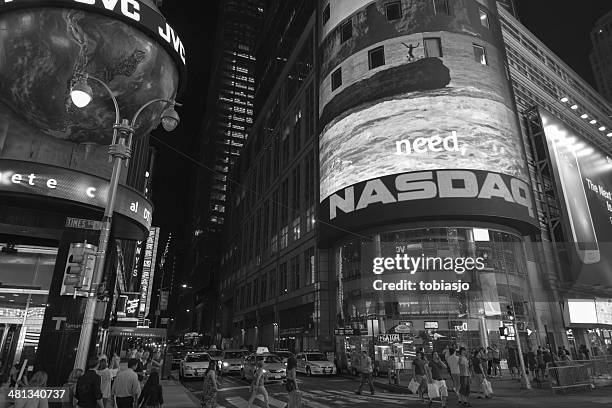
(433, 47)
(296, 229)
(295, 272)
(336, 79)
(479, 54)
(272, 280)
(484, 18)
(309, 266)
(282, 279)
(274, 244)
(284, 241)
(346, 32)
(441, 7)
(376, 57)
(310, 219)
(326, 14)
(393, 10)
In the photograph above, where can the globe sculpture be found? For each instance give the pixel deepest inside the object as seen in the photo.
(42, 49)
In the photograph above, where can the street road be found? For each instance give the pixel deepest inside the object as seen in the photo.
(317, 392)
(339, 392)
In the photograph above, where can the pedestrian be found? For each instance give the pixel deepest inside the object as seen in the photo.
(436, 368)
(70, 387)
(540, 365)
(257, 386)
(464, 378)
(489, 361)
(496, 361)
(37, 382)
(366, 370)
(295, 400)
(88, 391)
(143, 366)
(14, 375)
(114, 366)
(5, 383)
(453, 367)
(513, 361)
(105, 380)
(211, 386)
(151, 395)
(419, 364)
(157, 362)
(532, 363)
(478, 372)
(126, 387)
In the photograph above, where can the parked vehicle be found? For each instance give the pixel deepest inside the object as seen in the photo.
(231, 361)
(314, 363)
(274, 368)
(194, 365)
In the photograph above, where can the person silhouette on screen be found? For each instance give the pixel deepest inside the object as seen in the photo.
(411, 48)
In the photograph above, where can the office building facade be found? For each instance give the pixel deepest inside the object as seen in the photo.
(601, 56)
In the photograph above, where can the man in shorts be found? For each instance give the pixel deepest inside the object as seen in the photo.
(436, 368)
(453, 365)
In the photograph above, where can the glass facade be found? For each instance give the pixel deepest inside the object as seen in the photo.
(391, 320)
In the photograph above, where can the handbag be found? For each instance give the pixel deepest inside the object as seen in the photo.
(486, 386)
(433, 391)
(414, 386)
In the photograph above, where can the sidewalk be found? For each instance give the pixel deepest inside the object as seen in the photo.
(177, 396)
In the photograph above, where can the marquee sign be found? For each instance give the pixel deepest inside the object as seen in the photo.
(133, 12)
(56, 182)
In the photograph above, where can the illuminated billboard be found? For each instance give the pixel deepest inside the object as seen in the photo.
(418, 120)
(583, 180)
(590, 311)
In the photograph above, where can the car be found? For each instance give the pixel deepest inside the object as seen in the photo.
(194, 365)
(274, 368)
(314, 363)
(215, 355)
(231, 361)
(284, 355)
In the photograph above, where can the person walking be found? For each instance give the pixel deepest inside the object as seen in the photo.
(365, 369)
(453, 367)
(419, 364)
(126, 387)
(257, 386)
(295, 400)
(211, 386)
(105, 380)
(70, 387)
(464, 378)
(151, 395)
(157, 361)
(436, 368)
(478, 371)
(36, 383)
(88, 392)
(489, 361)
(496, 361)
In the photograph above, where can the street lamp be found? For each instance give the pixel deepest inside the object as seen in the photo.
(118, 151)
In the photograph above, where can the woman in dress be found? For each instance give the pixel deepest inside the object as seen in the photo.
(105, 380)
(211, 386)
(70, 385)
(295, 400)
(151, 395)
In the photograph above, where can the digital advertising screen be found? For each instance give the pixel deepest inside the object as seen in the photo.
(583, 179)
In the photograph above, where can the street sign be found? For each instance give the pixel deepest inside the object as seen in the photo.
(388, 338)
(81, 223)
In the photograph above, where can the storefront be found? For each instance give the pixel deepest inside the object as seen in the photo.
(470, 277)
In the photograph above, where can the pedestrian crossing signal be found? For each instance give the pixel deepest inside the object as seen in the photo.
(502, 331)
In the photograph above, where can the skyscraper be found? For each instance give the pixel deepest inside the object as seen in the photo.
(228, 120)
(601, 56)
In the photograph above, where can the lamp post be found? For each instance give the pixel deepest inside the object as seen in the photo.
(120, 150)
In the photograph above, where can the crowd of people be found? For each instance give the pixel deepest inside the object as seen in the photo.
(101, 384)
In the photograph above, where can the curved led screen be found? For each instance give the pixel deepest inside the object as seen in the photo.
(418, 119)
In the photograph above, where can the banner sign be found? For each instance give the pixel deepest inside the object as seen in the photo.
(56, 182)
(148, 271)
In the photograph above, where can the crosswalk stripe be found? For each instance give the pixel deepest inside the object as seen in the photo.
(356, 400)
(238, 402)
(273, 401)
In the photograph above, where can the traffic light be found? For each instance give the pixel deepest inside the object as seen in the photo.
(510, 312)
(502, 331)
(78, 272)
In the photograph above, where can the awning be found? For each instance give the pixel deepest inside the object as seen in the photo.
(143, 332)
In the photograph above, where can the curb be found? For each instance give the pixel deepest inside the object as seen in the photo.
(189, 394)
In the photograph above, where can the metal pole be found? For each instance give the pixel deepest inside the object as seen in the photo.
(90, 309)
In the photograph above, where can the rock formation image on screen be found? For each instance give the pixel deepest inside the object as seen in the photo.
(448, 128)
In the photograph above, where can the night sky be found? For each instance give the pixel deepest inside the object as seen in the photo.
(563, 25)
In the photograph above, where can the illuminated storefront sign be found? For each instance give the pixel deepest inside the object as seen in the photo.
(57, 182)
(132, 11)
(148, 271)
